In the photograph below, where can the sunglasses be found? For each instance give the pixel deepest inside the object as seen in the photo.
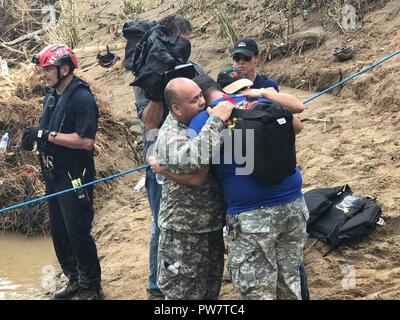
(238, 57)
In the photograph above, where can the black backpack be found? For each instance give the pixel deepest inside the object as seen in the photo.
(274, 140)
(337, 215)
(136, 33)
(150, 54)
(162, 54)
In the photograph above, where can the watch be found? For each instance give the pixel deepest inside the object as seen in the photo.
(53, 133)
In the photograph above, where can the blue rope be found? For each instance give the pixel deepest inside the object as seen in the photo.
(351, 77)
(27, 203)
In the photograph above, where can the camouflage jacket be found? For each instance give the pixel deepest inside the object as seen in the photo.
(184, 208)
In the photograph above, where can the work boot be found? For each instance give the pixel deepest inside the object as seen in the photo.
(155, 294)
(91, 293)
(68, 291)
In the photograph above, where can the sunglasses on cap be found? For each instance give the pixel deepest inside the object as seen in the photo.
(238, 57)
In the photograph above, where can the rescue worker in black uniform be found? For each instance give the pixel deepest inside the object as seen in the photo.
(65, 140)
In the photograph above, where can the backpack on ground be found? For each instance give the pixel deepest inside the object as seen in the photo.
(337, 215)
(134, 32)
(274, 140)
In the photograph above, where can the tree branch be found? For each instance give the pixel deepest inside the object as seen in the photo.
(26, 37)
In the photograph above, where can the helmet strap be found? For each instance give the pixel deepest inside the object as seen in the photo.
(60, 78)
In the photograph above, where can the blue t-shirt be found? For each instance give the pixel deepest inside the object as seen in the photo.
(244, 192)
(262, 81)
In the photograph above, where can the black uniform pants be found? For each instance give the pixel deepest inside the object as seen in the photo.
(70, 226)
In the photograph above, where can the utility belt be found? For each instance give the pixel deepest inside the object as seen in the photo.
(76, 176)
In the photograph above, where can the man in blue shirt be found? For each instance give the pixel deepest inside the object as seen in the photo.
(231, 80)
(245, 56)
(263, 251)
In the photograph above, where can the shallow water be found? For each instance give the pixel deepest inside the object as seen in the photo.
(27, 266)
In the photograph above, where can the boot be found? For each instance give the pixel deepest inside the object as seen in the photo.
(91, 293)
(68, 291)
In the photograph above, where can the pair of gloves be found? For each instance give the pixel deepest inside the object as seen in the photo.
(31, 135)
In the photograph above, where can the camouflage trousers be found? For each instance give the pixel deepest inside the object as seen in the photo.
(190, 265)
(265, 249)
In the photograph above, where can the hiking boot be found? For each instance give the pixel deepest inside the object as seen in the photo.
(91, 293)
(68, 291)
(155, 294)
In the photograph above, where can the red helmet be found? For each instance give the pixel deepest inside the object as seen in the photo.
(55, 55)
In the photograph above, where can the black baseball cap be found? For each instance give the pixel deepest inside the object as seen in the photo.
(247, 47)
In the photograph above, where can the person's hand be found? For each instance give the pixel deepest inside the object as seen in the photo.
(155, 165)
(257, 93)
(222, 110)
(31, 135)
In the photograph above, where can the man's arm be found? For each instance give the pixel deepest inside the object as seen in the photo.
(72, 140)
(195, 179)
(152, 114)
(287, 100)
(178, 154)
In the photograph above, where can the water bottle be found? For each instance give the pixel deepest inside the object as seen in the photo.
(4, 143)
(139, 186)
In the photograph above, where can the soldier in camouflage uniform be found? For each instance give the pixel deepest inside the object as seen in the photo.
(191, 218)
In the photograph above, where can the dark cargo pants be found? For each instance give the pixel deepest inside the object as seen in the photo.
(70, 226)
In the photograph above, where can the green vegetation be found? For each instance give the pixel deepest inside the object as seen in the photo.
(66, 29)
(131, 8)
